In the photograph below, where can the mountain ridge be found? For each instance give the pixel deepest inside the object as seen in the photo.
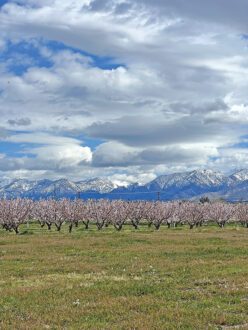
(182, 185)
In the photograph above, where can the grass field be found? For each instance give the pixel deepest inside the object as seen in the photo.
(145, 279)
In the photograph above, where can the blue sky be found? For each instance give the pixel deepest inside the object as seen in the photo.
(3, 2)
(122, 89)
(22, 55)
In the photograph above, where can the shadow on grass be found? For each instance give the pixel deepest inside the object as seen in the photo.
(26, 232)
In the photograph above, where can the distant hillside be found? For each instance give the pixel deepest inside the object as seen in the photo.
(185, 185)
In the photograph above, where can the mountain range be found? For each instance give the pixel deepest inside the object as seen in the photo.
(185, 185)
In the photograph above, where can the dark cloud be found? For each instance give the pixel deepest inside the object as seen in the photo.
(150, 156)
(3, 133)
(201, 108)
(227, 12)
(123, 8)
(20, 122)
(151, 131)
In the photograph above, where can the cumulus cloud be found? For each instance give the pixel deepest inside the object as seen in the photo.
(47, 153)
(114, 154)
(127, 89)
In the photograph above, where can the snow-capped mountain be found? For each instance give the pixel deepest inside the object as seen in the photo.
(96, 184)
(241, 175)
(62, 187)
(185, 185)
(203, 178)
(55, 189)
(4, 182)
(17, 188)
(189, 184)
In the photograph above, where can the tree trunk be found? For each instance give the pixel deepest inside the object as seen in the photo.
(58, 227)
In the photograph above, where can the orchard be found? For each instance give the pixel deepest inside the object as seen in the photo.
(103, 213)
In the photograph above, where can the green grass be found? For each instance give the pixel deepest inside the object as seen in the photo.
(145, 279)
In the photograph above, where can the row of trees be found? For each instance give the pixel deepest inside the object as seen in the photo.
(103, 213)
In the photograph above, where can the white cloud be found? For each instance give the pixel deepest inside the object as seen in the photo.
(41, 138)
(177, 99)
(63, 156)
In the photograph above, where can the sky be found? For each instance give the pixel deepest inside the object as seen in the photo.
(123, 89)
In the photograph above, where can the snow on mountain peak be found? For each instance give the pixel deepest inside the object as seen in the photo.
(207, 177)
(241, 175)
(21, 185)
(100, 185)
(198, 177)
(173, 186)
